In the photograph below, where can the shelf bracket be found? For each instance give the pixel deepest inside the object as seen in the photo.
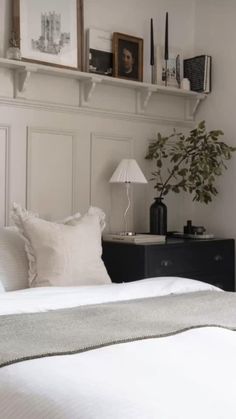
(89, 87)
(191, 108)
(195, 108)
(144, 96)
(22, 78)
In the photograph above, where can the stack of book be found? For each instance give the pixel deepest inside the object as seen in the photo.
(198, 71)
(135, 239)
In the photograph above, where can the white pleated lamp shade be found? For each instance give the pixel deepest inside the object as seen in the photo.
(128, 171)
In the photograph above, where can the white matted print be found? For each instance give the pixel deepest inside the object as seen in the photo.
(174, 66)
(50, 31)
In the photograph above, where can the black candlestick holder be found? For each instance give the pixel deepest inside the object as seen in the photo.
(166, 72)
(153, 76)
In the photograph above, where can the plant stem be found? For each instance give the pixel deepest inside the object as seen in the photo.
(175, 169)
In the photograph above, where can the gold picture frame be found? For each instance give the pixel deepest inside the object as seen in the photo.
(50, 35)
(127, 57)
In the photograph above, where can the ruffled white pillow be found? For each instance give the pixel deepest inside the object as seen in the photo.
(14, 264)
(63, 254)
(1, 288)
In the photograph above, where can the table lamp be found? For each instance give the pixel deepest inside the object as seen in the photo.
(127, 172)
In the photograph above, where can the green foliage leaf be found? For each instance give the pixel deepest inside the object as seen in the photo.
(183, 172)
(192, 161)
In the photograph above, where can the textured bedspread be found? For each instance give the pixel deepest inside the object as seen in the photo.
(74, 330)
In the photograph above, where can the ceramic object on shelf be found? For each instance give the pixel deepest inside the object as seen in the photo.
(13, 53)
(185, 84)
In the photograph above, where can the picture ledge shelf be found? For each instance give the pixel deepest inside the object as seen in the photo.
(89, 81)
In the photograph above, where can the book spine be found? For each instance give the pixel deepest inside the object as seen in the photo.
(198, 71)
(209, 73)
(205, 74)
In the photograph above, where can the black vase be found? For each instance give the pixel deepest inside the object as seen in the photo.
(158, 217)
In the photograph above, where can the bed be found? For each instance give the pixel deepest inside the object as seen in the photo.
(186, 375)
(162, 366)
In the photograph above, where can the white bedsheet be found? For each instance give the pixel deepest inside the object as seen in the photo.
(191, 375)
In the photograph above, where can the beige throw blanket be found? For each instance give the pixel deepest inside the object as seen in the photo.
(74, 330)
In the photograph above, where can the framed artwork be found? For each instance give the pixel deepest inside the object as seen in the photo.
(174, 67)
(127, 56)
(50, 31)
(99, 45)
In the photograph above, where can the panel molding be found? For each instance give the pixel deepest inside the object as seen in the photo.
(88, 82)
(69, 109)
(6, 130)
(96, 136)
(44, 130)
(109, 137)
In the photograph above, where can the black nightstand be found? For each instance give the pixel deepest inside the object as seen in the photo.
(209, 261)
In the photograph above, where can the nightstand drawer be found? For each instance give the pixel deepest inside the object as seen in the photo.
(216, 257)
(209, 261)
(213, 257)
(165, 262)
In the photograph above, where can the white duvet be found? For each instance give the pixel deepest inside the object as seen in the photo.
(191, 375)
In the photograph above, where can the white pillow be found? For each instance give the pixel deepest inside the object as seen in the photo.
(1, 288)
(63, 254)
(13, 260)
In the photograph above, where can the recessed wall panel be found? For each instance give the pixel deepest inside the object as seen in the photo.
(50, 173)
(4, 176)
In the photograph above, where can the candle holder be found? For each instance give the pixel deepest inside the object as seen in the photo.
(152, 60)
(153, 74)
(166, 73)
(166, 49)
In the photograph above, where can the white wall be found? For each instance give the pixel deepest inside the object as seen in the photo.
(133, 17)
(215, 34)
(92, 139)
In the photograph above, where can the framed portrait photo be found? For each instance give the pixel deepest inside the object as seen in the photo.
(127, 56)
(50, 31)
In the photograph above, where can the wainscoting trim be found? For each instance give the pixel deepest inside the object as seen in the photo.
(54, 107)
(6, 129)
(73, 134)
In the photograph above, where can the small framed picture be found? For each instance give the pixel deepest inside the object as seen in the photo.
(99, 47)
(174, 73)
(127, 56)
(50, 32)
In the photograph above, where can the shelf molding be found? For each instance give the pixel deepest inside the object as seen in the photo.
(88, 83)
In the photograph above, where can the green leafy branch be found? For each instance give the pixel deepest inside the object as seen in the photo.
(194, 162)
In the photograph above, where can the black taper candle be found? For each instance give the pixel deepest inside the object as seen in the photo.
(166, 39)
(151, 44)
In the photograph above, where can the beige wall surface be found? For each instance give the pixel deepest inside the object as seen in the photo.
(215, 34)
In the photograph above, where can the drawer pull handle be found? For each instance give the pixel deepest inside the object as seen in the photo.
(166, 263)
(218, 258)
